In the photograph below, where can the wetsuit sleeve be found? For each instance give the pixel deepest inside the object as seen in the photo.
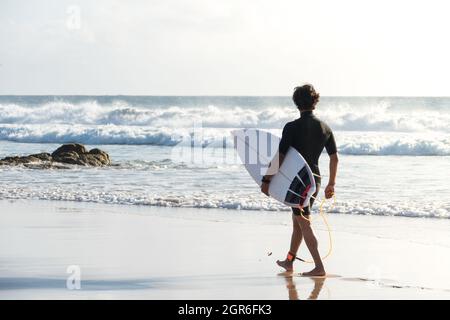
(331, 144)
(286, 140)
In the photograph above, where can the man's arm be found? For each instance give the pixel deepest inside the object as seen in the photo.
(274, 165)
(329, 190)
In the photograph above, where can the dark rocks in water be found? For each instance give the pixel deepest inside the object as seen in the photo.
(75, 153)
(72, 153)
(42, 156)
(71, 147)
(27, 159)
(100, 156)
(70, 157)
(45, 165)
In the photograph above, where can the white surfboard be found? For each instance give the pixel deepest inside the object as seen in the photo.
(294, 182)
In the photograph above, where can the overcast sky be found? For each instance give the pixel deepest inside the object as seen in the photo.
(224, 47)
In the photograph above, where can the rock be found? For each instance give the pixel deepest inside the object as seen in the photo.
(42, 156)
(70, 157)
(45, 165)
(26, 159)
(73, 153)
(71, 147)
(100, 155)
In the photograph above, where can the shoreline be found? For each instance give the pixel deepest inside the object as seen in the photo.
(175, 253)
(206, 208)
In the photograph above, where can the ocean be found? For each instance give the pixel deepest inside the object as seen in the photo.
(178, 152)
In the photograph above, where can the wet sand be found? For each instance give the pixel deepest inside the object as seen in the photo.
(131, 252)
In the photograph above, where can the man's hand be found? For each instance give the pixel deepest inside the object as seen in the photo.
(329, 191)
(265, 188)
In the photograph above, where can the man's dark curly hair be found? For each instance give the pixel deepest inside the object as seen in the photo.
(305, 97)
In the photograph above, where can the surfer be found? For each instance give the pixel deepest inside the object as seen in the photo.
(309, 136)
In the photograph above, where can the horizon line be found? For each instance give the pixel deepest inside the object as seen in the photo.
(219, 95)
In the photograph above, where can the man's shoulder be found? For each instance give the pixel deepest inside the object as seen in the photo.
(323, 124)
(299, 122)
(290, 124)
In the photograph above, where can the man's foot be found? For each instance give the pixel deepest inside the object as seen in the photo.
(286, 264)
(316, 272)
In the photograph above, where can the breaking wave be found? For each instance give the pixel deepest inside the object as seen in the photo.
(340, 116)
(354, 143)
(363, 127)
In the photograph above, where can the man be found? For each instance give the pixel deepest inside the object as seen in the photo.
(309, 136)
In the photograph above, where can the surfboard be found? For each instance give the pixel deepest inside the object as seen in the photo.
(294, 182)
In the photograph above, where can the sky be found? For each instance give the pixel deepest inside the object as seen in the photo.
(224, 47)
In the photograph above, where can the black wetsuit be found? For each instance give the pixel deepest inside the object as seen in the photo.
(309, 136)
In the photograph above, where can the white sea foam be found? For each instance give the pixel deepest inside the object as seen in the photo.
(101, 134)
(221, 201)
(342, 116)
(355, 143)
(393, 143)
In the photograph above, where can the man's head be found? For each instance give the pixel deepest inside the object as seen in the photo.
(305, 97)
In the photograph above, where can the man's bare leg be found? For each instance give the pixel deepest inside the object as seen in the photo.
(296, 240)
(311, 243)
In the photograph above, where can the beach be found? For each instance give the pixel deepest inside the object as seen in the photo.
(123, 176)
(177, 216)
(141, 252)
